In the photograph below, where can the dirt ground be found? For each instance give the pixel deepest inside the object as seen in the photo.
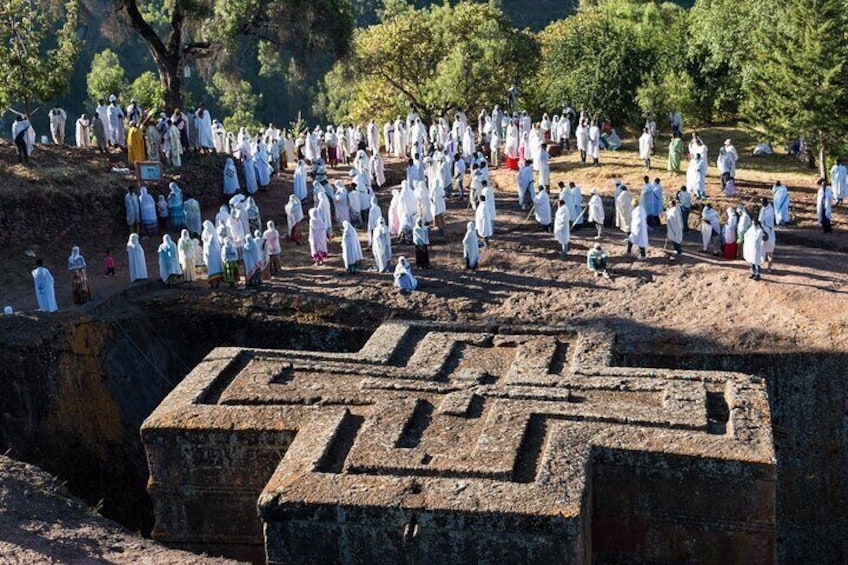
(798, 304)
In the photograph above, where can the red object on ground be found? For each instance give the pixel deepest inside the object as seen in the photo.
(512, 163)
(730, 250)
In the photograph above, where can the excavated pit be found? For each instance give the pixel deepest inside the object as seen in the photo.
(76, 389)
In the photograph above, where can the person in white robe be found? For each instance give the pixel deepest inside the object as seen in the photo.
(542, 209)
(582, 136)
(169, 260)
(781, 203)
(193, 216)
(695, 177)
(272, 248)
(424, 207)
(219, 136)
(393, 215)
(674, 228)
(593, 147)
(185, 248)
(562, 226)
(471, 247)
(710, 229)
(351, 249)
(262, 166)
(646, 148)
(623, 209)
(58, 117)
(378, 169)
(212, 254)
(248, 169)
(252, 257)
(381, 246)
(294, 215)
(375, 215)
(135, 259)
(638, 231)
(767, 223)
(824, 206)
(437, 199)
(753, 249)
(115, 116)
(323, 205)
(83, 131)
(403, 277)
(205, 135)
(102, 111)
(45, 293)
(596, 212)
(231, 182)
(744, 222)
(300, 181)
(484, 221)
(340, 199)
(173, 146)
(525, 185)
(317, 237)
(697, 147)
(577, 203)
(544, 167)
(236, 229)
(839, 181)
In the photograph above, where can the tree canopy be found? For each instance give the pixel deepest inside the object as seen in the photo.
(434, 59)
(798, 69)
(38, 49)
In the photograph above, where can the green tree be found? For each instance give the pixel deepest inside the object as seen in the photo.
(237, 97)
(198, 29)
(721, 37)
(434, 59)
(106, 76)
(38, 47)
(147, 90)
(798, 82)
(592, 61)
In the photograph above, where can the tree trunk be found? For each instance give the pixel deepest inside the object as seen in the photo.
(171, 78)
(822, 157)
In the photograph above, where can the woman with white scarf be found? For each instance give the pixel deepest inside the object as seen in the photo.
(294, 215)
(317, 237)
(135, 259)
(212, 254)
(272, 248)
(374, 215)
(185, 248)
(562, 226)
(381, 246)
(351, 249)
(300, 181)
(169, 261)
(470, 247)
(424, 207)
(79, 277)
(231, 182)
(404, 280)
(252, 257)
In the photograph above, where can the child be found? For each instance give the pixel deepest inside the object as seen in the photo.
(110, 265)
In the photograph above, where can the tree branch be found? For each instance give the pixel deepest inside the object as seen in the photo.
(137, 21)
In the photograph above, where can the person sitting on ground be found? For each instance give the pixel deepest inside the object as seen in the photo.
(598, 261)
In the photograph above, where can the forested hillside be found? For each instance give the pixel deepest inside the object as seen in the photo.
(279, 91)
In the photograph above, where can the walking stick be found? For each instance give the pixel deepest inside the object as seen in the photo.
(580, 215)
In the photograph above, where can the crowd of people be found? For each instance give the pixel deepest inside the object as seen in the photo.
(445, 160)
